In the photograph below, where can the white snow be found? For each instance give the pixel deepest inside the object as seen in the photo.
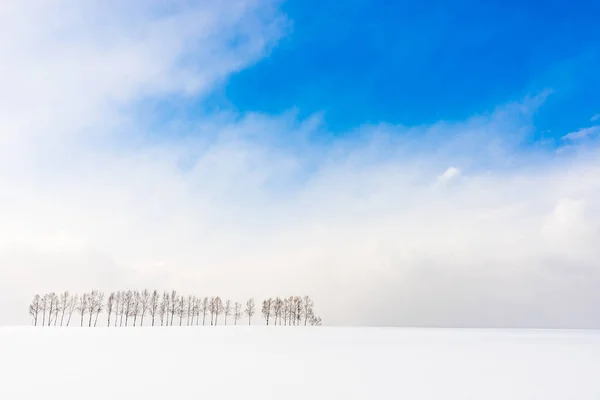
(298, 363)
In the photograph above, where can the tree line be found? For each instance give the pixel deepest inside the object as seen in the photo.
(133, 307)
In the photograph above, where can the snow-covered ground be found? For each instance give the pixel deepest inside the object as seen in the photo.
(297, 363)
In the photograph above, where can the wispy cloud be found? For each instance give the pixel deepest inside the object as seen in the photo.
(595, 118)
(227, 206)
(582, 133)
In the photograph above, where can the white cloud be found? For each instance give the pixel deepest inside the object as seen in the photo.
(450, 174)
(582, 133)
(595, 118)
(92, 199)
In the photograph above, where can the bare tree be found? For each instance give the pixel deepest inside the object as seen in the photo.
(227, 310)
(315, 321)
(99, 306)
(54, 309)
(153, 305)
(64, 305)
(35, 307)
(128, 303)
(286, 311)
(52, 306)
(190, 309)
(71, 307)
(196, 310)
(92, 304)
(212, 309)
(267, 308)
(299, 308)
(249, 311)
(123, 308)
(205, 307)
(136, 308)
(117, 305)
(237, 312)
(144, 304)
(308, 305)
(277, 309)
(174, 301)
(44, 307)
(82, 306)
(181, 308)
(163, 309)
(218, 309)
(292, 305)
(110, 305)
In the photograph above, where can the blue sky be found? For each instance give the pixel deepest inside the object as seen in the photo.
(419, 62)
(375, 155)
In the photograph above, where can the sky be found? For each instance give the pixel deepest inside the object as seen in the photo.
(405, 164)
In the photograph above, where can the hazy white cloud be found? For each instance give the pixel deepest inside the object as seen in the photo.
(248, 205)
(582, 133)
(449, 174)
(595, 118)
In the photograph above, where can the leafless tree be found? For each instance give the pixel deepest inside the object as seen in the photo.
(64, 305)
(205, 307)
(82, 306)
(196, 310)
(212, 309)
(218, 309)
(35, 307)
(190, 309)
(91, 306)
(136, 308)
(250, 310)
(163, 309)
(153, 305)
(299, 308)
(52, 306)
(292, 305)
(181, 308)
(286, 311)
(73, 300)
(128, 303)
(267, 308)
(237, 312)
(174, 302)
(315, 321)
(110, 306)
(227, 310)
(117, 305)
(308, 305)
(123, 307)
(144, 304)
(99, 305)
(44, 307)
(277, 309)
